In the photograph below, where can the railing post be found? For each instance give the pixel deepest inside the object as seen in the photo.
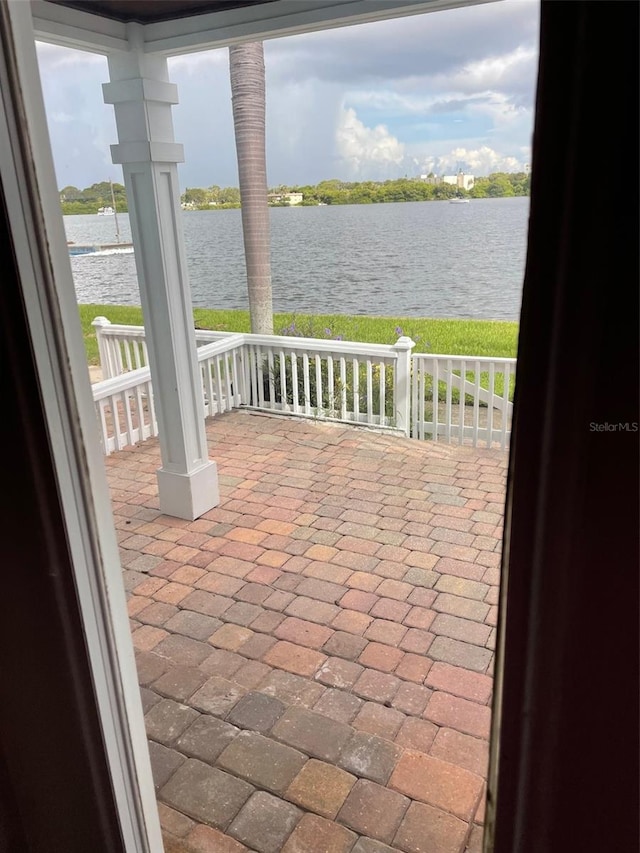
(103, 347)
(402, 385)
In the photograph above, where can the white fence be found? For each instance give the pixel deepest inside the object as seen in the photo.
(449, 398)
(124, 348)
(125, 409)
(461, 399)
(340, 381)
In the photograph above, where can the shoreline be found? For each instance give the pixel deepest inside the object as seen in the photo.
(497, 338)
(232, 206)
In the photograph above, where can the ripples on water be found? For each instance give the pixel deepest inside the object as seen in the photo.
(428, 259)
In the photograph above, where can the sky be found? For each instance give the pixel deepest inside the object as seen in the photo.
(435, 92)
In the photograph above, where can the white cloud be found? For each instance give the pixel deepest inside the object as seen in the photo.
(479, 161)
(366, 102)
(367, 150)
(511, 73)
(197, 63)
(52, 57)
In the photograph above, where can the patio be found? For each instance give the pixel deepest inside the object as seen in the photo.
(315, 653)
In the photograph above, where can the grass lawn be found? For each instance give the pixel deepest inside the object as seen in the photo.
(448, 337)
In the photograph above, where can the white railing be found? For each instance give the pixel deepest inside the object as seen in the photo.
(438, 397)
(462, 399)
(223, 374)
(121, 348)
(340, 381)
(124, 403)
(125, 409)
(124, 348)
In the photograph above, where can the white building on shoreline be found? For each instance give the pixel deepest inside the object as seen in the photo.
(462, 181)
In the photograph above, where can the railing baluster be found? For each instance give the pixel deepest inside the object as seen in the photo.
(272, 384)
(382, 391)
(463, 379)
(330, 388)
(140, 411)
(422, 390)
(205, 393)
(343, 388)
(505, 405)
(423, 393)
(476, 405)
(219, 391)
(102, 404)
(492, 387)
(126, 401)
(234, 378)
(319, 391)
(260, 377)
(237, 377)
(369, 391)
(306, 383)
(111, 345)
(253, 374)
(449, 400)
(115, 413)
(436, 398)
(283, 382)
(414, 396)
(355, 366)
(210, 387)
(118, 356)
(229, 365)
(294, 382)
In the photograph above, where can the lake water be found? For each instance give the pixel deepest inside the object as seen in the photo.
(423, 259)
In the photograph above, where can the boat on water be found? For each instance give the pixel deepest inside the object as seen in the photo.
(459, 200)
(99, 248)
(117, 248)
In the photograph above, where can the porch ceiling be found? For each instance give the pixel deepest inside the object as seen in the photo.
(145, 12)
(172, 27)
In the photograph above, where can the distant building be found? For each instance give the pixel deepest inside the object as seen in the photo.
(288, 198)
(430, 179)
(462, 181)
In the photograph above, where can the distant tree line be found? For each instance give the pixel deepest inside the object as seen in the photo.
(496, 185)
(215, 196)
(90, 199)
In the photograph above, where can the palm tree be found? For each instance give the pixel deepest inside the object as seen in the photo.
(246, 66)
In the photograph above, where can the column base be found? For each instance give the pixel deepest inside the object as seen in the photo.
(189, 495)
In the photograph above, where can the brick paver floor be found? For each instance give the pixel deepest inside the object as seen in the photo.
(315, 653)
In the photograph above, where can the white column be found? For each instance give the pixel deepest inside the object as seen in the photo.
(142, 97)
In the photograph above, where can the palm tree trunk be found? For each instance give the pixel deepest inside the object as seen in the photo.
(246, 66)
